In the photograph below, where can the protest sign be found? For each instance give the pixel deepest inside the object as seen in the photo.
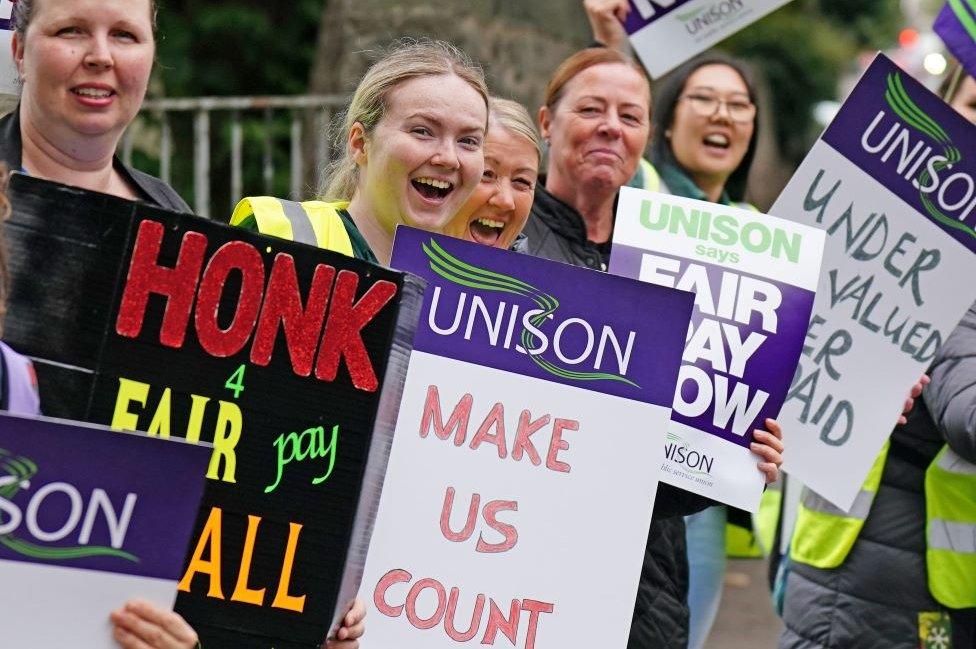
(282, 355)
(666, 33)
(956, 25)
(892, 182)
(89, 519)
(537, 394)
(754, 278)
(8, 71)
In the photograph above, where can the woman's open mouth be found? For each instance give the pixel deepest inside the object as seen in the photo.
(432, 189)
(717, 142)
(486, 231)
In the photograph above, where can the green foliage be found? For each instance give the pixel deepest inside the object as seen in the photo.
(803, 49)
(236, 47)
(232, 48)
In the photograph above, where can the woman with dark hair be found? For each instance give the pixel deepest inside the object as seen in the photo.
(706, 122)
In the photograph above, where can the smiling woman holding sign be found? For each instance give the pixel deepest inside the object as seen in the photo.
(413, 138)
(596, 119)
(84, 67)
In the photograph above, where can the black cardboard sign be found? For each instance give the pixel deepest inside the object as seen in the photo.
(276, 353)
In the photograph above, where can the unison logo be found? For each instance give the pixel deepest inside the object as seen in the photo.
(693, 461)
(947, 198)
(705, 17)
(574, 342)
(48, 504)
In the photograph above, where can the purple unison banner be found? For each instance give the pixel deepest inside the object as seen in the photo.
(537, 397)
(89, 518)
(893, 182)
(552, 321)
(666, 33)
(956, 26)
(754, 278)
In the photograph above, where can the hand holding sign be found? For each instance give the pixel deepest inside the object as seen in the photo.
(606, 20)
(141, 625)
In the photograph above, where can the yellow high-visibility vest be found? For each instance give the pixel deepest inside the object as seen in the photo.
(825, 534)
(315, 223)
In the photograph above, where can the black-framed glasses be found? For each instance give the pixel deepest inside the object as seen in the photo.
(741, 111)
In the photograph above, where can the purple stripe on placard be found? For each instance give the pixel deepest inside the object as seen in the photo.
(748, 346)
(644, 12)
(586, 329)
(91, 498)
(914, 144)
(960, 41)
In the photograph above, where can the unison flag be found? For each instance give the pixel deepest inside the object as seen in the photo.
(956, 25)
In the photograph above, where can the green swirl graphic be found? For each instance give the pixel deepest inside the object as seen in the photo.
(903, 106)
(464, 274)
(23, 469)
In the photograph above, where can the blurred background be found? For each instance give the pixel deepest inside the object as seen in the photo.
(245, 90)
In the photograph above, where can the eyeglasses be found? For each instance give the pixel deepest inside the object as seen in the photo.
(740, 110)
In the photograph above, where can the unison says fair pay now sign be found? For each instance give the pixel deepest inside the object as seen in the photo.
(666, 33)
(534, 410)
(754, 278)
(893, 181)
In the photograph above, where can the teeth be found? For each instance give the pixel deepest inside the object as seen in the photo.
(433, 182)
(720, 140)
(498, 225)
(93, 92)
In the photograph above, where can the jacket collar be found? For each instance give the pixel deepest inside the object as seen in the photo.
(558, 215)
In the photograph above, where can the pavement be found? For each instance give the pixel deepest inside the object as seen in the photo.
(745, 618)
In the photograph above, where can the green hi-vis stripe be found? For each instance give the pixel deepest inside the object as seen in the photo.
(964, 16)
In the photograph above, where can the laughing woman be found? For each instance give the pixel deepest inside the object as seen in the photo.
(413, 138)
(499, 207)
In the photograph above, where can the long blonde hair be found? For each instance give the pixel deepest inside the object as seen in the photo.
(512, 116)
(408, 60)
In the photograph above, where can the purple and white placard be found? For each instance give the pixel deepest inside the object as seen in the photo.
(89, 519)
(666, 33)
(893, 182)
(754, 278)
(537, 398)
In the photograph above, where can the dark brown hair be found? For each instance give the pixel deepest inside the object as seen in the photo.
(669, 92)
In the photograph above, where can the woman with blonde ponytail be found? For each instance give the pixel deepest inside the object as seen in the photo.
(412, 139)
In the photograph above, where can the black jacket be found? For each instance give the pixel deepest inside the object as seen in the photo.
(152, 190)
(556, 231)
(874, 598)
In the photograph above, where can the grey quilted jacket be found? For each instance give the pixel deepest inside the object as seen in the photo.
(874, 599)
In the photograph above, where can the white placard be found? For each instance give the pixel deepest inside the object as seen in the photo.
(666, 33)
(896, 274)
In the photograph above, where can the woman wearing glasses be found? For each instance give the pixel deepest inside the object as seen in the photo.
(705, 121)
